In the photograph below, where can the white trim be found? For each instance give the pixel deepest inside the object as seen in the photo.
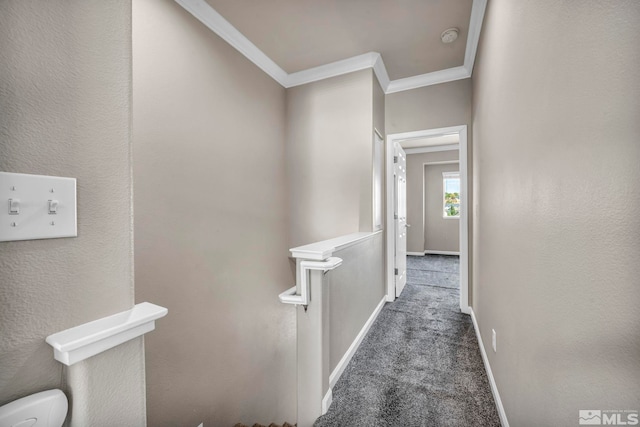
(487, 366)
(291, 296)
(202, 11)
(432, 149)
(381, 73)
(342, 364)
(390, 234)
(338, 68)
(475, 26)
(327, 400)
(441, 252)
(322, 250)
(415, 253)
(419, 134)
(428, 79)
(444, 162)
(81, 342)
(464, 223)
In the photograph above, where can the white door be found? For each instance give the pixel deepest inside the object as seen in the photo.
(400, 216)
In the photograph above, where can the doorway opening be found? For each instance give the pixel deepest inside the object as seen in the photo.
(457, 207)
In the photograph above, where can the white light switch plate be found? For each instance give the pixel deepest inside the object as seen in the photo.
(33, 194)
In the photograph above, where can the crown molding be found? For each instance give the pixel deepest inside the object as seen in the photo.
(338, 68)
(428, 79)
(203, 12)
(473, 38)
(381, 74)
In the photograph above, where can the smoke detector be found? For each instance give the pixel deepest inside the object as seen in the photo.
(449, 35)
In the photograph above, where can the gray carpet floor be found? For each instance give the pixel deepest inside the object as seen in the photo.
(419, 365)
(434, 270)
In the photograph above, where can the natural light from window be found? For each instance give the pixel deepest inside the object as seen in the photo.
(451, 194)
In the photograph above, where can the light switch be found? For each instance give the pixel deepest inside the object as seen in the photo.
(32, 199)
(53, 207)
(14, 206)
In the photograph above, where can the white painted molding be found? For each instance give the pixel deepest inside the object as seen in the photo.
(441, 253)
(290, 296)
(81, 342)
(473, 38)
(322, 250)
(381, 73)
(419, 134)
(444, 162)
(464, 224)
(487, 366)
(327, 400)
(202, 11)
(390, 234)
(432, 149)
(415, 253)
(338, 68)
(428, 79)
(342, 364)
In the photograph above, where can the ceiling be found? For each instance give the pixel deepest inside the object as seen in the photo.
(297, 42)
(302, 34)
(431, 141)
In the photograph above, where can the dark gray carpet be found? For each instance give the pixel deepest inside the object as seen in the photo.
(419, 365)
(434, 270)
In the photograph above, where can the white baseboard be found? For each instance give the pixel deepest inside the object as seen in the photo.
(441, 253)
(326, 401)
(492, 381)
(416, 253)
(342, 364)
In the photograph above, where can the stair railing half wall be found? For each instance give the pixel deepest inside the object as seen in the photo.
(311, 297)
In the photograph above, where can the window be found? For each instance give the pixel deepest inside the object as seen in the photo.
(451, 194)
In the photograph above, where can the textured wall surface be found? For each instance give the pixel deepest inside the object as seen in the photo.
(416, 195)
(65, 91)
(329, 157)
(440, 234)
(430, 107)
(210, 225)
(556, 131)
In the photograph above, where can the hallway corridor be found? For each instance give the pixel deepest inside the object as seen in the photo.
(419, 365)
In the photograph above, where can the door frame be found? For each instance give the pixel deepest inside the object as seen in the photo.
(464, 207)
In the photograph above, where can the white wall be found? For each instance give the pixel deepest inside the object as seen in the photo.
(556, 131)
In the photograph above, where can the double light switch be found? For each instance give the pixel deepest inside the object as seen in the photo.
(39, 207)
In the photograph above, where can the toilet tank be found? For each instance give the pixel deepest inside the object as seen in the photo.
(44, 409)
